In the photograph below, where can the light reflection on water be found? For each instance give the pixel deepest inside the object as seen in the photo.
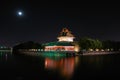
(65, 66)
(54, 68)
(3, 56)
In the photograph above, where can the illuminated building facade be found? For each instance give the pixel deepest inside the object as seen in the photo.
(65, 43)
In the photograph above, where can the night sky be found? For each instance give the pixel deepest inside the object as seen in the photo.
(42, 21)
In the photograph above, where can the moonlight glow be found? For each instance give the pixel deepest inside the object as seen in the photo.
(20, 13)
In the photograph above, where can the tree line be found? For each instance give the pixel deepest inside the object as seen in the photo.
(89, 43)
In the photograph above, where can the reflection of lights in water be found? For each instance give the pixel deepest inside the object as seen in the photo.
(76, 60)
(1, 53)
(65, 66)
(45, 62)
(6, 56)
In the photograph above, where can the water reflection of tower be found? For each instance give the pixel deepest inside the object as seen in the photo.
(64, 66)
(6, 57)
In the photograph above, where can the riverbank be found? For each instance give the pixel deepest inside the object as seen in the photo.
(5, 50)
(100, 52)
(34, 53)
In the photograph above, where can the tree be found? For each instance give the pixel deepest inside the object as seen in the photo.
(27, 45)
(88, 43)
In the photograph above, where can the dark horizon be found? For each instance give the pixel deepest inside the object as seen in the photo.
(42, 22)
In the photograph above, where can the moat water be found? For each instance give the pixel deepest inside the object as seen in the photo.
(26, 67)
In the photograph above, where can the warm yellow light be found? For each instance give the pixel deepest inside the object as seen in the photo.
(96, 49)
(102, 49)
(76, 49)
(68, 39)
(90, 49)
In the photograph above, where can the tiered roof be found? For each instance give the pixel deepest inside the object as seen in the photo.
(65, 33)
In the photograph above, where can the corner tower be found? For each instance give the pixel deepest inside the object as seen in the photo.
(65, 36)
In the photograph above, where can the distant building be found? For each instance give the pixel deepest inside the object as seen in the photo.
(65, 42)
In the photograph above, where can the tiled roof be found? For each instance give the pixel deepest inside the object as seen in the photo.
(66, 32)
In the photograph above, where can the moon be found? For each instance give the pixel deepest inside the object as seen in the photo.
(20, 13)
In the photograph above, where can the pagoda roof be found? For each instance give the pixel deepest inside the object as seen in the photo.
(66, 33)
